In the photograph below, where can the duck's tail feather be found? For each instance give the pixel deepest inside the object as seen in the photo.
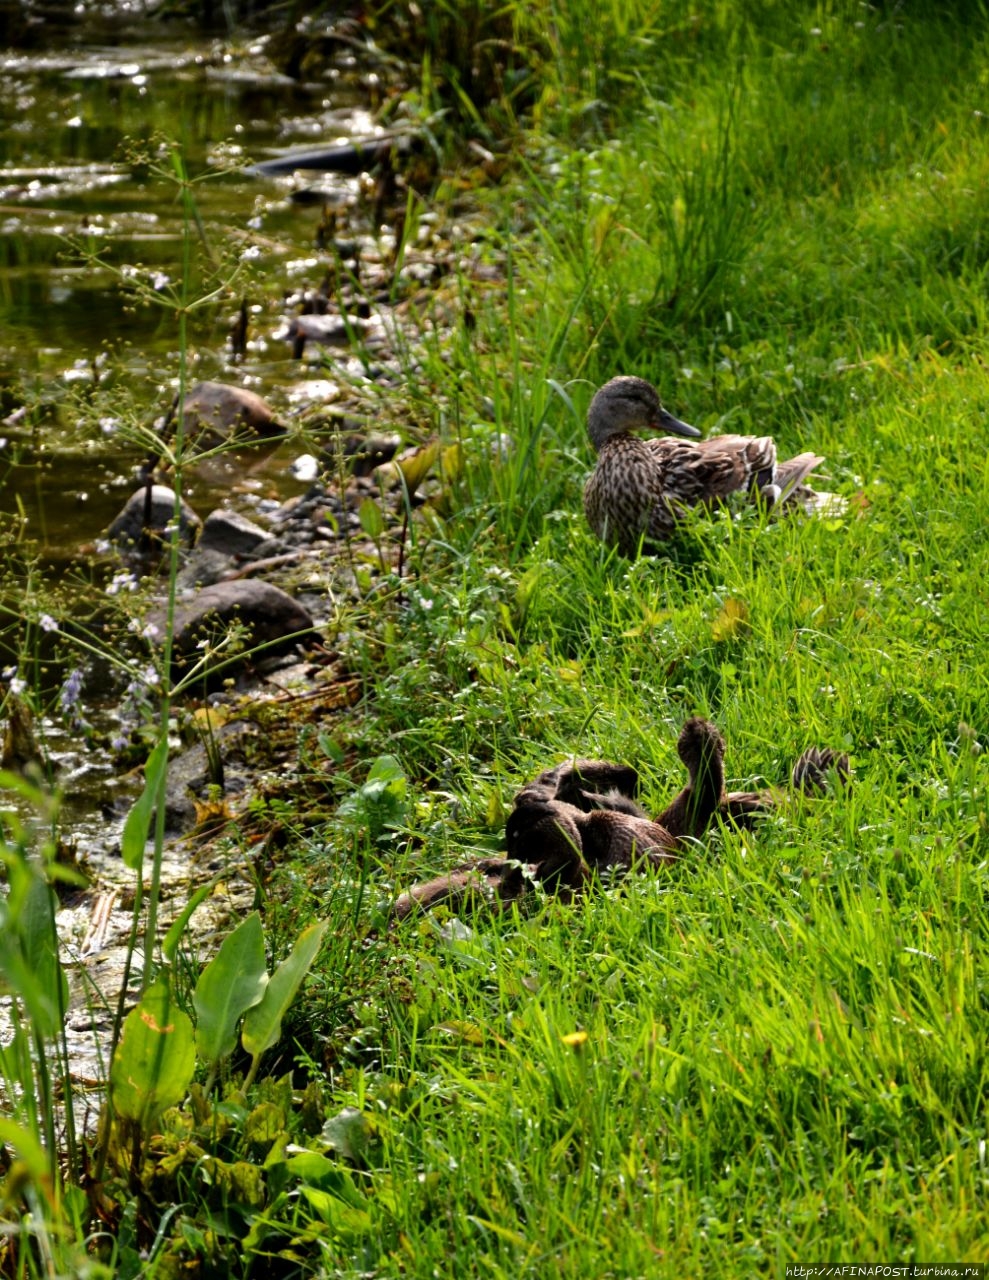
(792, 473)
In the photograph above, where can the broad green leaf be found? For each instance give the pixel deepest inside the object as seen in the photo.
(386, 774)
(29, 963)
(372, 521)
(15, 1055)
(10, 781)
(28, 1149)
(233, 981)
(326, 1175)
(380, 802)
(135, 832)
(263, 1024)
(39, 941)
(19, 981)
(346, 1222)
(155, 1059)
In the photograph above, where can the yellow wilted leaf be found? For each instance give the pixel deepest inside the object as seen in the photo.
(494, 812)
(468, 1031)
(601, 228)
(415, 468)
(451, 462)
(651, 618)
(210, 719)
(732, 621)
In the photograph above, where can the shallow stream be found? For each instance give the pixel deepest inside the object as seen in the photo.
(75, 111)
(83, 105)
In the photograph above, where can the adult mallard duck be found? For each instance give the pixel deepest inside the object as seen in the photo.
(641, 488)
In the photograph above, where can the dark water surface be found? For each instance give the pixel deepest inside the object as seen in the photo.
(82, 93)
(74, 109)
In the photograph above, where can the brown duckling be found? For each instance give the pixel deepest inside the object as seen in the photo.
(580, 820)
(816, 767)
(640, 489)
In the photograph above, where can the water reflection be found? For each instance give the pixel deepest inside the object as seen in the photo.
(79, 203)
(72, 121)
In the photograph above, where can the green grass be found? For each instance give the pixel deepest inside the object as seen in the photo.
(781, 1052)
(775, 1052)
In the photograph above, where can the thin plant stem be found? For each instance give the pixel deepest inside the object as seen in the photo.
(174, 546)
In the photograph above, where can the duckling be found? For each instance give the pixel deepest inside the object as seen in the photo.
(493, 880)
(579, 821)
(812, 775)
(586, 784)
(641, 488)
(816, 767)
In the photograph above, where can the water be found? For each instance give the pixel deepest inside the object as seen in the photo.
(86, 106)
(82, 117)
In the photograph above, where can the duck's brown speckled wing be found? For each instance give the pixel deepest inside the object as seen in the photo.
(710, 470)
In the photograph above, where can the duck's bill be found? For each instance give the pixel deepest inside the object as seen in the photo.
(667, 422)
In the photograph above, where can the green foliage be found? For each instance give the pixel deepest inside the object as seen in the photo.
(379, 803)
(134, 836)
(154, 1061)
(774, 1052)
(770, 1054)
(33, 1055)
(231, 984)
(28, 948)
(263, 1022)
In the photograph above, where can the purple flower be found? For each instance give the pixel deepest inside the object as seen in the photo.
(69, 696)
(68, 700)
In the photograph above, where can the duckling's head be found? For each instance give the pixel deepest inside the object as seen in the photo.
(700, 745)
(630, 404)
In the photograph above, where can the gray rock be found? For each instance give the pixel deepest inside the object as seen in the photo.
(269, 616)
(152, 513)
(222, 412)
(230, 534)
(227, 540)
(202, 569)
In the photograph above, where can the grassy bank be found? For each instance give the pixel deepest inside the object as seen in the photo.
(775, 1053)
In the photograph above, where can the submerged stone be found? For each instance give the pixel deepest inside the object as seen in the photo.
(148, 514)
(223, 412)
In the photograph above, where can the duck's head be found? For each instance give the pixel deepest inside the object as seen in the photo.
(630, 404)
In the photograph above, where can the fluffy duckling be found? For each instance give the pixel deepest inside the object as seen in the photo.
(580, 821)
